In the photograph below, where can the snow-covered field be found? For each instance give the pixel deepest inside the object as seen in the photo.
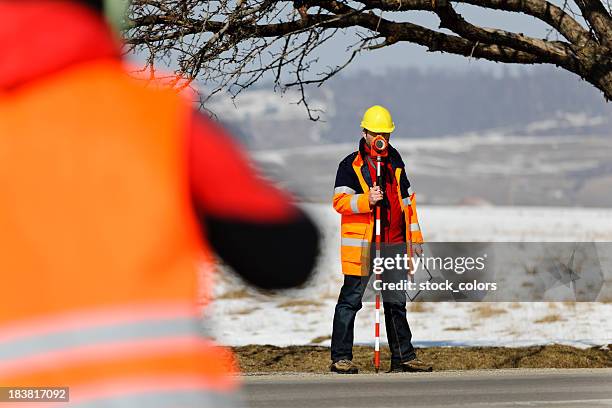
(240, 315)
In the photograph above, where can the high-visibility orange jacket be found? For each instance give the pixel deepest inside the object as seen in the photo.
(107, 189)
(353, 183)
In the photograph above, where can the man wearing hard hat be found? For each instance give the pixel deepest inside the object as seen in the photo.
(355, 197)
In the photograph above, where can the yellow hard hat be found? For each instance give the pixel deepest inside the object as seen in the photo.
(377, 119)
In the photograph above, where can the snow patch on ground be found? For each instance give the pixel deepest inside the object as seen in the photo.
(240, 315)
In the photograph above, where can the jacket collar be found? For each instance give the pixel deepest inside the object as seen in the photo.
(40, 37)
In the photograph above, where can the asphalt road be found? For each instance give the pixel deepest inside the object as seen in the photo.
(548, 388)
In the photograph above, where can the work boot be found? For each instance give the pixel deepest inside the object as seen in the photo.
(344, 367)
(412, 366)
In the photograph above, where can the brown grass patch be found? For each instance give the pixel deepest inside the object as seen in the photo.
(455, 328)
(302, 310)
(300, 302)
(316, 359)
(551, 318)
(418, 307)
(484, 311)
(320, 339)
(244, 311)
(234, 294)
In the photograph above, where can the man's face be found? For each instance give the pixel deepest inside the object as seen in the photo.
(369, 136)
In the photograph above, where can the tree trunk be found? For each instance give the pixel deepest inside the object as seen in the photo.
(594, 64)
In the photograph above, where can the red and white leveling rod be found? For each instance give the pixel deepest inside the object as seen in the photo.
(379, 149)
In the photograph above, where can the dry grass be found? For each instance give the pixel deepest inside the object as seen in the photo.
(302, 310)
(300, 302)
(316, 359)
(418, 307)
(234, 294)
(244, 311)
(485, 310)
(455, 328)
(320, 339)
(551, 318)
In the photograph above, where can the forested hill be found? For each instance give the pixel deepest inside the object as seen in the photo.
(438, 103)
(541, 101)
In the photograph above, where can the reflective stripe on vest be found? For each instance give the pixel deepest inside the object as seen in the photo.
(344, 189)
(354, 242)
(81, 337)
(415, 227)
(406, 201)
(355, 204)
(144, 330)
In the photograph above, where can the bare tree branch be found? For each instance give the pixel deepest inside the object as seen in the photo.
(599, 18)
(232, 44)
(555, 51)
(543, 10)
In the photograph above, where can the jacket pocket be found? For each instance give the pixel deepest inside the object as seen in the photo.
(353, 242)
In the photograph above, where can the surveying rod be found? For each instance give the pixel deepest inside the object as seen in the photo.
(379, 149)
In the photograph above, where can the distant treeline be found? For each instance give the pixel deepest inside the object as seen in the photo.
(438, 103)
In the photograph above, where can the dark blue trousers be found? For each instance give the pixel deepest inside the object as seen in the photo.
(349, 303)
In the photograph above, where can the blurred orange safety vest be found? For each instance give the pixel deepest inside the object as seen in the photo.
(99, 245)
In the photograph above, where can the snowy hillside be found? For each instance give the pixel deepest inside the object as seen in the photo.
(241, 315)
(503, 170)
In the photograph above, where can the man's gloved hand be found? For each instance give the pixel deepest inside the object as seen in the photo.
(417, 249)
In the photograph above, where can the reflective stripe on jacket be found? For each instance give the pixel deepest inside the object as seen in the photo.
(353, 183)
